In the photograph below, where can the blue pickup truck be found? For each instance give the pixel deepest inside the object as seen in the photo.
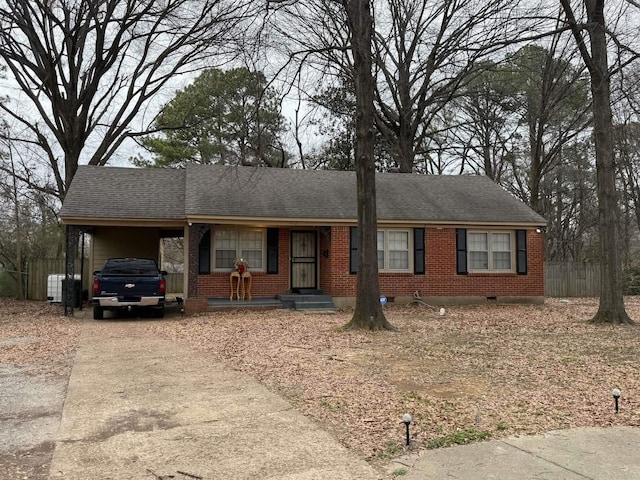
(127, 284)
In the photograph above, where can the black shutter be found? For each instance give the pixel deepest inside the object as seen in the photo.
(461, 251)
(521, 252)
(353, 249)
(272, 250)
(418, 251)
(204, 253)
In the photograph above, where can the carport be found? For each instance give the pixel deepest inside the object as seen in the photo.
(118, 226)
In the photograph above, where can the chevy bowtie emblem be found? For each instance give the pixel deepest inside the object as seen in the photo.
(129, 285)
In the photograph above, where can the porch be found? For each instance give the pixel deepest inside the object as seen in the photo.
(312, 301)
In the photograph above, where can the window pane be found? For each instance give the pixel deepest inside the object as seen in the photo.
(478, 251)
(225, 239)
(502, 260)
(225, 246)
(399, 260)
(477, 242)
(225, 258)
(253, 258)
(501, 251)
(398, 241)
(251, 248)
(251, 240)
(501, 242)
(478, 260)
(380, 249)
(398, 250)
(130, 266)
(231, 244)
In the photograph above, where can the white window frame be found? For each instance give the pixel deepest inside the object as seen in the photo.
(385, 267)
(490, 268)
(239, 231)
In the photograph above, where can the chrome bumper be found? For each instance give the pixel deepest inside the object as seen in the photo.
(113, 302)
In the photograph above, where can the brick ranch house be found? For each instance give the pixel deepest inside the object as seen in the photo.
(453, 239)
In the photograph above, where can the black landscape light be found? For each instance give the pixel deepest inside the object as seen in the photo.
(406, 419)
(616, 396)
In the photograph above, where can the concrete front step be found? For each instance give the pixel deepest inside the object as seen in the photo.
(256, 303)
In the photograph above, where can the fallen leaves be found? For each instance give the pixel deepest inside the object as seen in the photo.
(494, 369)
(37, 335)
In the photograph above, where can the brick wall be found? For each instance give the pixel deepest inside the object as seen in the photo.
(440, 278)
(324, 260)
(216, 284)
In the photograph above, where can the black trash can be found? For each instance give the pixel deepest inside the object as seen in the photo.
(77, 293)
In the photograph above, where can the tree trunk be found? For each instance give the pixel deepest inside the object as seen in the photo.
(368, 313)
(406, 153)
(19, 239)
(535, 173)
(71, 162)
(71, 249)
(406, 132)
(611, 308)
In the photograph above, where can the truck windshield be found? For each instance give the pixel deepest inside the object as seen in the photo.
(130, 266)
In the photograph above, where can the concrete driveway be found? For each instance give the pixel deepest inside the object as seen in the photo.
(140, 407)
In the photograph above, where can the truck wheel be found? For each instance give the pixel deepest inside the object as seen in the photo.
(98, 313)
(159, 312)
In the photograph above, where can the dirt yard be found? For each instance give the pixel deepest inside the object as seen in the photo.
(473, 373)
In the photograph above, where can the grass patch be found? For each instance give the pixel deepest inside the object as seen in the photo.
(329, 406)
(461, 437)
(400, 472)
(392, 448)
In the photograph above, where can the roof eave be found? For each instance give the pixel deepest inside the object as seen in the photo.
(122, 222)
(311, 222)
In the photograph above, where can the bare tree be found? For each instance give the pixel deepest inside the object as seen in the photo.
(342, 28)
(484, 132)
(627, 142)
(423, 53)
(29, 229)
(368, 312)
(87, 69)
(13, 255)
(594, 53)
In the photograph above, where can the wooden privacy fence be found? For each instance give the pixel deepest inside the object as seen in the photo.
(38, 273)
(175, 283)
(571, 279)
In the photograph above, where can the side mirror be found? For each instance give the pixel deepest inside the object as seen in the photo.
(96, 272)
(164, 273)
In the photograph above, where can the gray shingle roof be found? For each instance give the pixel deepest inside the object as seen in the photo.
(216, 191)
(125, 193)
